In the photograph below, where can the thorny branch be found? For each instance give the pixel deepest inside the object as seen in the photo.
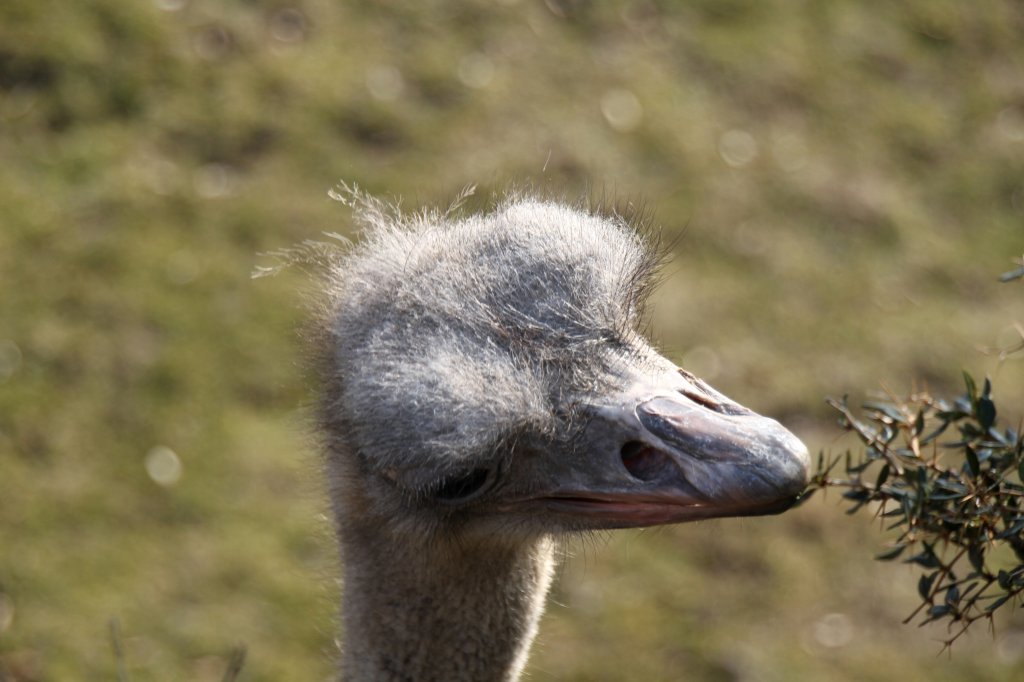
(950, 481)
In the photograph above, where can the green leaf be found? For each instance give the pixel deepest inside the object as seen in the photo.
(924, 584)
(976, 554)
(907, 505)
(997, 603)
(946, 498)
(969, 431)
(887, 409)
(883, 476)
(986, 411)
(804, 496)
(1013, 530)
(926, 558)
(970, 587)
(972, 461)
(972, 388)
(951, 485)
(919, 423)
(857, 494)
(889, 434)
(955, 414)
(1012, 275)
(921, 479)
(897, 524)
(936, 433)
(892, 552)
(852, 468)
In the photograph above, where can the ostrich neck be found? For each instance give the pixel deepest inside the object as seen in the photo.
(439, 610)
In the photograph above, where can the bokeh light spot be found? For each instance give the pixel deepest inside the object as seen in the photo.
(790, 152)
(213, 43)
(703, 361)
(214, 181)
(476, 70)
(288, 25)
(182, 267)
(6, 612)
(1009, 646)
(738, 148)
(622, 109)
(10, 358)
(170, 5)
(384, 82)
(1010, 124)
(833, 630)
(163, 466)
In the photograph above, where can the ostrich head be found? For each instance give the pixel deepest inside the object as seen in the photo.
(486, 378)
(486, 391)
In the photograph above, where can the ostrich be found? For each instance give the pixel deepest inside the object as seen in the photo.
(485, 394)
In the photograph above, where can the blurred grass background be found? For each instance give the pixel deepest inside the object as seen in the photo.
(849, 177)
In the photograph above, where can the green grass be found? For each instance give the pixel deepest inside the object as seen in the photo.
(876, 190)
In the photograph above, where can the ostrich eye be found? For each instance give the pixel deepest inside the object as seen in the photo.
(464, 487)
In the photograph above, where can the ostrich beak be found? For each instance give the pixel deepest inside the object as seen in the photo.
(674, 449)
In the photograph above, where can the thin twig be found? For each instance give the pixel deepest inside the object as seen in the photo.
(115, 642)
(235, 663)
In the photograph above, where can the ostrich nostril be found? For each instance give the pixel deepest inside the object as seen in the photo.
(702, 395)
(643, 462)
(703, 400)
